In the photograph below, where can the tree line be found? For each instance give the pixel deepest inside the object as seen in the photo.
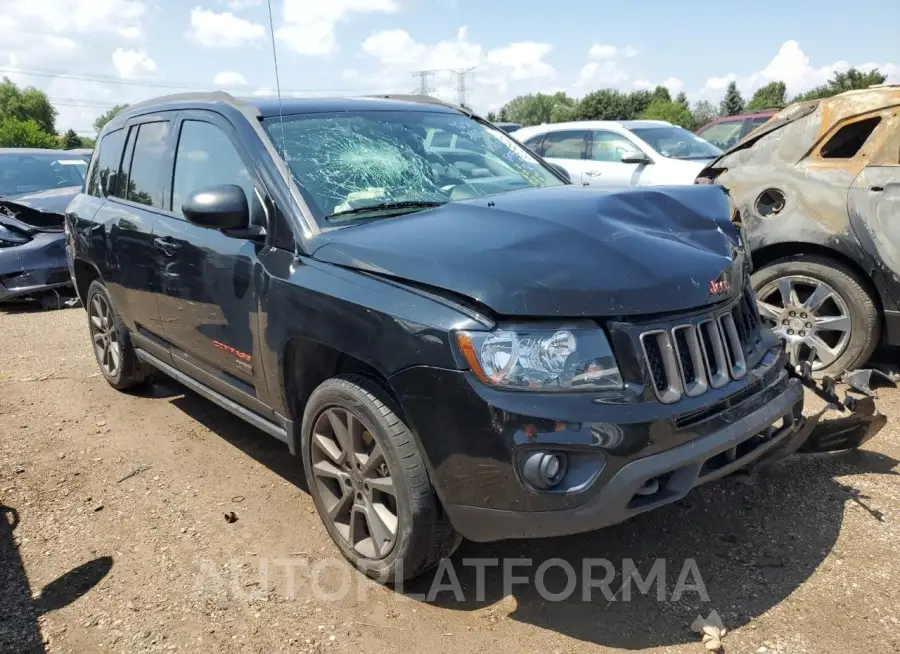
(658, 104)
(28, 120)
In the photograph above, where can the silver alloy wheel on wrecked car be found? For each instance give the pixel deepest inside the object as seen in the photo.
(807, 313)
(354, 483)
(105, 336)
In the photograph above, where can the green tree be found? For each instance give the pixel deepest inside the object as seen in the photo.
(703, 112)
(535, 108)
(17, 133)
(661, 94)
(771, 96)
(492, 117)
(27, 104)
(107, 116)
(71, 140)
(847, 81)
(732, 103)
(673, 112)
(609, 104)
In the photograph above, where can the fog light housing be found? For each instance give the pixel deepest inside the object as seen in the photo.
(544, 470)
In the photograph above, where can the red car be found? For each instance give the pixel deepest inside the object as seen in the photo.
(725, 131)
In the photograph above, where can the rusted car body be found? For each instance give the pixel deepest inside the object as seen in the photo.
(818, 191)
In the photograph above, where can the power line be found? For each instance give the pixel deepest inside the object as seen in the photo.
(158, 84)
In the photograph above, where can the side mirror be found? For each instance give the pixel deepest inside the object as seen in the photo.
(562, 172)
(636, 158)
(218, 207)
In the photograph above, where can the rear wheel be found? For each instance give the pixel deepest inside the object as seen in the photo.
(111, 343)
(815, 302)
(369, 482)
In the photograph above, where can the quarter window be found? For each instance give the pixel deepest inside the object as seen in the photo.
(109, 154)
(206, 157)
(534, 143)
(146, 164)
(849, 139)
(565, 144)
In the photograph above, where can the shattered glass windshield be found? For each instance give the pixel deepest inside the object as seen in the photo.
(353, 165)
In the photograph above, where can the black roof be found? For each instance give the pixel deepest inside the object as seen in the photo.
(269, 106)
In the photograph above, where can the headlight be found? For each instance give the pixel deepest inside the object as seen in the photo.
(541, 359)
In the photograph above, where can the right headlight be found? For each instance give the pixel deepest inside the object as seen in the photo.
(542, 359)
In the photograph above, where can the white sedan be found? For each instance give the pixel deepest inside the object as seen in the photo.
(621, 153)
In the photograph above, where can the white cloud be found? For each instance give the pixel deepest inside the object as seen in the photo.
(792, 66)
(239, 5)
(309, 25)
(393, 47)
(131, 63)
(643, 84)
(602, 72)
(525, 59)
(229, 79)
(606, 51)
(602, 51)
(674, 85)
(123, 17)
(350, 74)
(458, 53)
(224, 30)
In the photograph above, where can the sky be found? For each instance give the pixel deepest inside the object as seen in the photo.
(89, 55)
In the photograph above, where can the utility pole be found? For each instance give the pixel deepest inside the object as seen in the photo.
(425, 77)
(462, 76)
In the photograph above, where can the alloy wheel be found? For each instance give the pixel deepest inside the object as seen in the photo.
(807, 313)
(354, 483)
(105, 336)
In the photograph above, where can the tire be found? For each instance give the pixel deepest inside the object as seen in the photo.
(130, 372)
(423, 535)
(861, 305)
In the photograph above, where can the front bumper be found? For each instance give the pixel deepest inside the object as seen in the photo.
(475, 440)
(676, 471)
(35, 267)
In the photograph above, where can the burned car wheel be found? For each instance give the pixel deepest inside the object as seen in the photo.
(369, 483)
(817, 303)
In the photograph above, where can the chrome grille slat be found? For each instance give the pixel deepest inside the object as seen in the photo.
(688, 359)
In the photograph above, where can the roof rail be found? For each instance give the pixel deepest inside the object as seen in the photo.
(212, 96)
(426, 99)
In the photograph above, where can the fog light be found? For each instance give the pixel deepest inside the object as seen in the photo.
(544, 470)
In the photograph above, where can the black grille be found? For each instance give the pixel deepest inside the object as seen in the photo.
(655, 361)
(690, 358)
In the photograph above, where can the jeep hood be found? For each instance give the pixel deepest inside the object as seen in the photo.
(557, 252)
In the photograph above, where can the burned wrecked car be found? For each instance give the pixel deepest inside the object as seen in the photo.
(35, 188)
(818, 190)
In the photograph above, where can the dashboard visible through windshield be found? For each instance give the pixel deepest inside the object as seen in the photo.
(345, 163)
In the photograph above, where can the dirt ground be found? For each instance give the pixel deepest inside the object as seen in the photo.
(114, 538)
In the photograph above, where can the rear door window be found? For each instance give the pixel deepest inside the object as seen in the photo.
(565, 144)
(145, 174)
(849, 139)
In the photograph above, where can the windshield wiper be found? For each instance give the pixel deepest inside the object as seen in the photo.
(386, 206)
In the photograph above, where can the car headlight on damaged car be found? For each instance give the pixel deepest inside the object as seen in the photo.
(568, 358)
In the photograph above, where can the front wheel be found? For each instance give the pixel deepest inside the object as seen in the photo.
(817, 303)
(369, 483)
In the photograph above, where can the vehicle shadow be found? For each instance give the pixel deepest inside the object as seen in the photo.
(19, 612)
(753, 540)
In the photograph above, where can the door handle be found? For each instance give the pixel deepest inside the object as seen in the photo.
(877, 189)
(593, 173)
(165, 244)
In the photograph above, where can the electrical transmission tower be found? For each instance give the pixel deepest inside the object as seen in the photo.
(425, 78)
(462, 77)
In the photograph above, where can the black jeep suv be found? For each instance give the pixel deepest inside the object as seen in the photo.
(455, 340)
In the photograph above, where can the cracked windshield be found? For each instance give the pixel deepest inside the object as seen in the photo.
(353, 165)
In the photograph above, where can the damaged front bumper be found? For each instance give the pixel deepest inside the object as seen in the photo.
(34, 268)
